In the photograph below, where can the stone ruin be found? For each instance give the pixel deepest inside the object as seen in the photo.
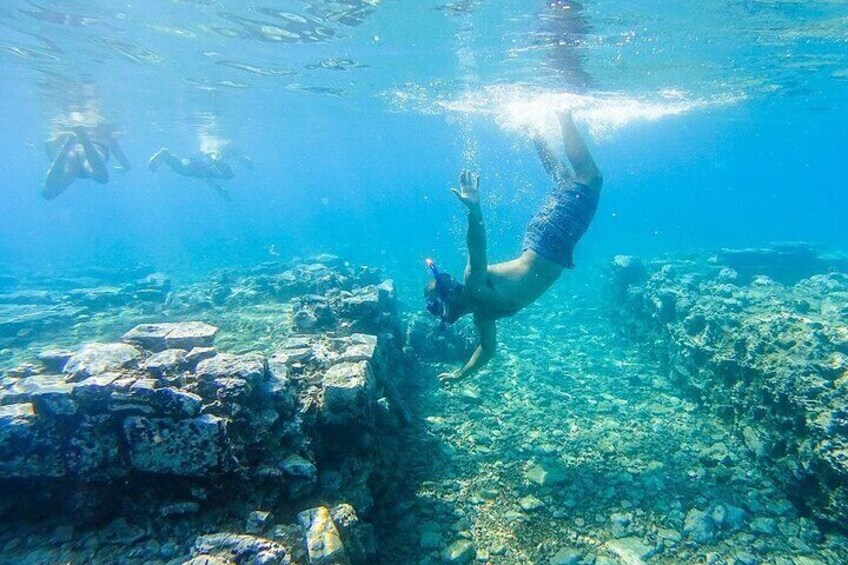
(164, 422)
(772, 359)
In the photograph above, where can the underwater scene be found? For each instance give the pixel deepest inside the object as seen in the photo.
(345, 282)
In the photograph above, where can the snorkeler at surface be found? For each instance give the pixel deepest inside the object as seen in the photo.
(206, 165)
(496, 291)
(81, 153)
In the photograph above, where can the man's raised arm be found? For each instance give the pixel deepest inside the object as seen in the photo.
(469, 194)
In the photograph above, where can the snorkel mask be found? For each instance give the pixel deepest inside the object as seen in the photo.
(445, 284)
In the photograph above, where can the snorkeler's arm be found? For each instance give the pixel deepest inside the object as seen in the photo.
(123, 162)
(469, 194)
(485, 351)
(585, 170)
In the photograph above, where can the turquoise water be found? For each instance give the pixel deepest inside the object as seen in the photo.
(716, 125)
(719, 125)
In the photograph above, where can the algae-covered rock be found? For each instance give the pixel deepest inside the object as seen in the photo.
(347, 389)
(241, 549)
(230, 379)
(765, 355)
(323, 542)
(193, 447)
(28, 447)
(459, 552)
(699, 526)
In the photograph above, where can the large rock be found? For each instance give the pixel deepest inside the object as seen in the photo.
(166, 362)
(146, 398)
(347, 389)
(54, 360)
(23, 389)
(630, 551)
(181, 335)
(768, 357)
(323, 542)
(94, 449)
(192, 448)
(357, 537)
(231, 377)
(240, 548)
(301, 476)
(28, 448)
(94, 392)
(699, 526)
(459, 552)
(96, 358)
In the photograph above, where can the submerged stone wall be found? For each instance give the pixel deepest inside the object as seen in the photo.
(771, 359)
(164, 417)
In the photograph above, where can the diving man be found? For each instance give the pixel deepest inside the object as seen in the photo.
(490, 292)
(81, 153)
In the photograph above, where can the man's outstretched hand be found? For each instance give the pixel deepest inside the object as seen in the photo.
(469, 193)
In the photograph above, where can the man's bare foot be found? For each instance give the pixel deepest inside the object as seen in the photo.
(156, 159)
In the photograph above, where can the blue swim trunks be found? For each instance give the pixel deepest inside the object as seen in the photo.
(561, 222)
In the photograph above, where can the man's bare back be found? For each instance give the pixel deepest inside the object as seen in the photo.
(500, 290)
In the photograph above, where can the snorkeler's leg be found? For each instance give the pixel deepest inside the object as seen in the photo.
(553, 166)
(63, 171)
(123, 162)
(179, 165)
(585, 170)
(94, 158)
(245, 161)
(221, 191)
(157, 158)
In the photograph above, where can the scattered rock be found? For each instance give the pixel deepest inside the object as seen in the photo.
(566, 556)
(629, 551)
(699, 526)
(545, 475)
(323, 543)
(240, 548)
(459, 552)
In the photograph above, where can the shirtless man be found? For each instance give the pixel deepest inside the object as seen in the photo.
(81, 153)
(496, 291)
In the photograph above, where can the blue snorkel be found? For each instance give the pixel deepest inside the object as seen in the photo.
(438, 306)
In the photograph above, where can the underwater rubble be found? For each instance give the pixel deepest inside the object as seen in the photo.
(160, 446)
(771, 359)
(290, 413)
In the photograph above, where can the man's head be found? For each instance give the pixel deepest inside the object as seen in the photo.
(445, 296)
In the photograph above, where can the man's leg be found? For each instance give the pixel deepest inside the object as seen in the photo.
(219, 190)
(63, 171)
(585, 170)
(94, 159)
(553, 166)
(564, 218)
(158, 158)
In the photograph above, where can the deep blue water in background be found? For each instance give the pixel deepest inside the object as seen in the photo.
(356, 176)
